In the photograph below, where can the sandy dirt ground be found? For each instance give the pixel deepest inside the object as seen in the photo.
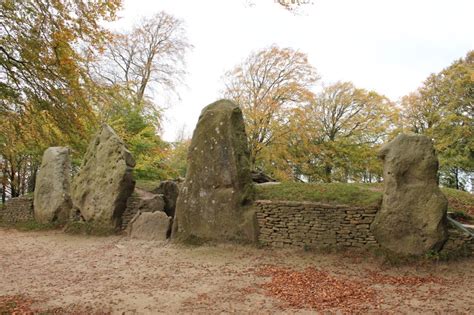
(118, 275)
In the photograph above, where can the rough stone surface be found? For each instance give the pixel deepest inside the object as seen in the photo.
(314, 225)
(139, 203)
(170, 191)
(152, 226)
(104, 182)
(218, 184)
(412, 219)
(458, 243)
(16, 210)
(52, 200)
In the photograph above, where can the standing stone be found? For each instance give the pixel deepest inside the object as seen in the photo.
(412, 219)
(218, 184)
(104, 182)
(170, 190)
(52, 201)
(152, 226)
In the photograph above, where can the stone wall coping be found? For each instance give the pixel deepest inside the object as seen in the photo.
(312, 203)
(22, 197)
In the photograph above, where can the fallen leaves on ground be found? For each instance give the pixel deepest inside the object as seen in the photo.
(15, 304)
(21, 304)
(316, 289)
(460, 205)
(410, 280)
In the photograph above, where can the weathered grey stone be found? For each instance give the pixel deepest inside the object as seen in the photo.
(412, 219)
(170, 190)
(152, 226)
(218, 184)
(141, 201)
(52, 200)
(104, 182)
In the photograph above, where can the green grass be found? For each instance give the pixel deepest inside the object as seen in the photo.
(86, 228)
(30, 225)
(147, 185)
(333, 193)
(459, 201)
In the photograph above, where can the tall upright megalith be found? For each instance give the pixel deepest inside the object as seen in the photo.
(52, 200)
(412, 219)
(211, 202)
(104, 182)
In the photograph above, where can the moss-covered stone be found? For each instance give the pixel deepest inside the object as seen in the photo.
(52, 201)
(218, 185)
(412, 219)
(104, 182)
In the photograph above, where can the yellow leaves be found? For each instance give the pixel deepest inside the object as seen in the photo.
(336, 135)
(265, 86)
(442, 109)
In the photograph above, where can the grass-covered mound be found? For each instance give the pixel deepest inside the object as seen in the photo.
(459, 201)
(333, 193)
(352, 194)
(147, 184)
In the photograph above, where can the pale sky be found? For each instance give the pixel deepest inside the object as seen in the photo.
(389, 46)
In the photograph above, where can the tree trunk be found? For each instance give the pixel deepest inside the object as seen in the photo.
(23, 178)
(456, 177)
(4, 181)
(327, 173)
(32, 178)
(4, 193)
(13, 185)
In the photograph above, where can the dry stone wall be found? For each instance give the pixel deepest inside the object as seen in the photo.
(18, 209)
(136, 203)
(459, 242)
(314, 225)
(133, 206)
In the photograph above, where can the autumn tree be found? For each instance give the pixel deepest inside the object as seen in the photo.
(443, 109)
(148, 58)
(44, 97)
(338, 133)
(294, 6)
(138, 67)
(177, 157)
(266, 86)
(40, 65)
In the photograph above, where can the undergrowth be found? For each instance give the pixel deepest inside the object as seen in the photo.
(30, 225)
(86, 228)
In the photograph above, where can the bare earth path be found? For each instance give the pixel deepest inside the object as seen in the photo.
(117, 275)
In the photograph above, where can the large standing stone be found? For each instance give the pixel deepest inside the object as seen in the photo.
(104, 182)
(52, 201)
(218, 184)
(412, 220)
(152, 226)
